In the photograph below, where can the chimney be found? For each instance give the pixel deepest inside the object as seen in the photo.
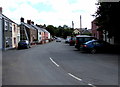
(22, 19)
(0, 10)
(32, 22)
(29, 22)
(72, 24)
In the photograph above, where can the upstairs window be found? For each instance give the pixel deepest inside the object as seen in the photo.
(6, 25)
(10, 27)
(14, 28)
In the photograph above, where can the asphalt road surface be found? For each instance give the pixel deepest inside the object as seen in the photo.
(57, 63)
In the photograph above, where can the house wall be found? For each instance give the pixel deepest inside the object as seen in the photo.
(95, 33)
(109, 40)
(76, 31)
(48, 35)
(15, 35)
(7, 33)
(33, 35)
(23, 35)
(39, 36)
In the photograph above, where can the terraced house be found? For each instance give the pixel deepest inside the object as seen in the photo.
(27, 31)
(33, 33)
(9, 37)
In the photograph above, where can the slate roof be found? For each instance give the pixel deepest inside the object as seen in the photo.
(36, 27)
(28, 26)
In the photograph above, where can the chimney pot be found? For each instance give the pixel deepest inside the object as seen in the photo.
(22, 19)
(29, 22)
(32, 22)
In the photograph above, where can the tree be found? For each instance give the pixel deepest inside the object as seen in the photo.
(107, 18)
(51, 29)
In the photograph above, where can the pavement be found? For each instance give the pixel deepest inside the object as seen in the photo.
(57, 63)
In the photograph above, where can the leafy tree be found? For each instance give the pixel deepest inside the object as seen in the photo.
(107, 18)
(51, 29)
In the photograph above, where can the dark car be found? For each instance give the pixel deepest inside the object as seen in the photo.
(23, 44)
(72, 41)
(94, 46)
(80, 39)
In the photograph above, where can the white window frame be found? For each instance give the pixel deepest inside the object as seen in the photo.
(6, 25)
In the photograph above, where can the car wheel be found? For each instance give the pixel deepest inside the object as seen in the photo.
(93, 51)
(27, 46)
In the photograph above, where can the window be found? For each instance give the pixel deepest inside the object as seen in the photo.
(87, 39)
(10, 27)
(14, 28)
(6, 25)
(14, 40)
(80, 39)
(96, 43)
(40, 33)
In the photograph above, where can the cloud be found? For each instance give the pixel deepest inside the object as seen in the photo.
(55, 12)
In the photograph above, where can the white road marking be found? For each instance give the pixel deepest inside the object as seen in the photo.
(75, 77)
(91, 85)
(71, 74)
(54, 62)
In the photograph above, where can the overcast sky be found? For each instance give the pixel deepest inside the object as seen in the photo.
(51, 12)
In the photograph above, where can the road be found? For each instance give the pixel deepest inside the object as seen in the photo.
(57, 63)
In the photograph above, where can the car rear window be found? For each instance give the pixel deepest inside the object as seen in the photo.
(84, 39)
(88, 38)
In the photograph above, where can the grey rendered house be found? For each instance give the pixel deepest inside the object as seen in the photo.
(8, 37)
(7, 32)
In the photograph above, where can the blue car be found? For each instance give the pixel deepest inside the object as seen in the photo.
(23, 44)
(94, 46)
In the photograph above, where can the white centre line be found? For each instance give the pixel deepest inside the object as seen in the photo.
(74, 77)
(91, 85)
(54, 62)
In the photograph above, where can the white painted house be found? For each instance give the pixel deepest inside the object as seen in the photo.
(15, 35)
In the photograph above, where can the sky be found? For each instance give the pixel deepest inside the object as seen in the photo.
(51, 12)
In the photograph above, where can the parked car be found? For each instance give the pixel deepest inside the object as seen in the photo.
(67, 40)
(94, 46)
(23, 44)
(72, 41)
(80, 39)
(58, 40)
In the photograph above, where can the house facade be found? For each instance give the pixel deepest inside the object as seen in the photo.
(40, 33)
(76, 31)
(46, 35)
(101, 34)
(7, 32)
(8, 38)
(97, 34)
(27, 31)
(15, 35)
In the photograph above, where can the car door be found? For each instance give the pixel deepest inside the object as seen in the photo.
(97, 45)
